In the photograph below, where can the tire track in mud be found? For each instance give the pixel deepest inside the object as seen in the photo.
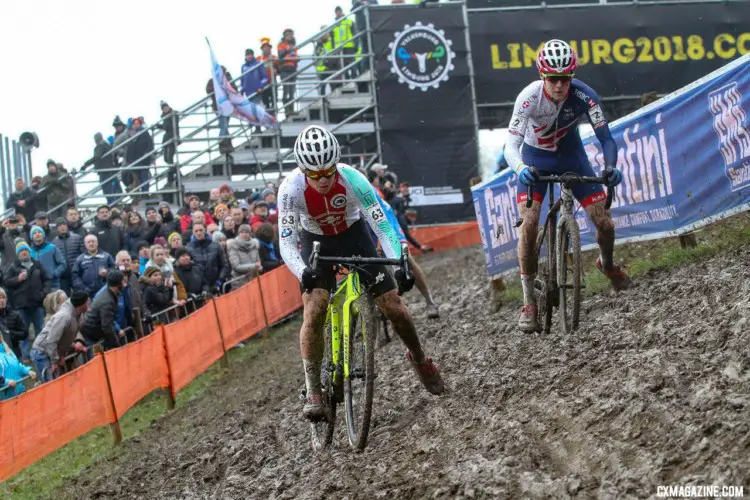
(652, 390)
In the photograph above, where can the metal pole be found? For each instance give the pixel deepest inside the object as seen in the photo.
(28, 160)
(471, 80)
(4, 184)
(176, 159)
(373, 81)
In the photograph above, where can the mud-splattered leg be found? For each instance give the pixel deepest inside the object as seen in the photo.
(605, 233)
(397, 312)
(311, 337)
(527, 260)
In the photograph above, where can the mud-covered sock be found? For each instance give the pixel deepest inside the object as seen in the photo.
(428, 298)
(527, 283)
(312, 376)
(605, 262)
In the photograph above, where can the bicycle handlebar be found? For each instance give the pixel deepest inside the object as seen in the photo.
(403, 262)
(568, 178)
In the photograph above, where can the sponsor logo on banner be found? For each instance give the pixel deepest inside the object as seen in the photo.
(443, 195)
(729, 119)
(421, 56)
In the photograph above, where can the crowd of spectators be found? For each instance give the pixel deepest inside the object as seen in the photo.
(76, 286)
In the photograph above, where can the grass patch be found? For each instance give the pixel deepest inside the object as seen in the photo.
(43, 478)
(639, 259)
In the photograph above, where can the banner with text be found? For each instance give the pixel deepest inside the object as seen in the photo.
(685, 161)
(624, 50)
(425, 109)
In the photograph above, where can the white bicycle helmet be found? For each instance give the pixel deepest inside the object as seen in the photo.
(316, 148)
(557, 57)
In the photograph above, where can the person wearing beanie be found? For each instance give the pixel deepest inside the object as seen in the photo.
(268, 247)
(269, 196)
(208, 255)
(226, 196)
(58, 337)
(254, 77)
(189, 274)
(260, 214)
(70, 246)
(14, 329)
(59, 188)
(28, 284)
(220, 211)
(48, 255)
(157, 294)
(174, 243)
(99, 322)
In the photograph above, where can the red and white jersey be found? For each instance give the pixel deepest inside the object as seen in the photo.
(351, 198)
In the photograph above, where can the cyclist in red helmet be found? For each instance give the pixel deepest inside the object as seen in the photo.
(543, 139)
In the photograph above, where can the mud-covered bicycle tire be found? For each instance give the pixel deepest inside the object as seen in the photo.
(322, 432)
(570, 241)
(363, 314)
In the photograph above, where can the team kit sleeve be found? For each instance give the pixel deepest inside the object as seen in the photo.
(288, 219)
(596, 118)
(367, 200)
(517, 129)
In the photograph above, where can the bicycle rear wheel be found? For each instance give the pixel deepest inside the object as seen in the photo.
(545, 280)
(569, 276)
(359, 384)
(322, 432)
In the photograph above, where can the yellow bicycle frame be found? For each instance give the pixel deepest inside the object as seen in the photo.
(340, 312)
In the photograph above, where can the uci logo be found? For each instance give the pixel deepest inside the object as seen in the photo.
(338, 201)
(421, 56)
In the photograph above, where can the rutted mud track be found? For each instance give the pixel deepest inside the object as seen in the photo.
(653, 390)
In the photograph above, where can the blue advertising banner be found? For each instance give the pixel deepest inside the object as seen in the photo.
(685, 161)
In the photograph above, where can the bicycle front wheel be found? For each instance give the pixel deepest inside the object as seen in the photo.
(360, 381)
(569, 276)
(322, 432)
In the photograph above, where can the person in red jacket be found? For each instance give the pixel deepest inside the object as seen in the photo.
(260, 215)
(288, 59)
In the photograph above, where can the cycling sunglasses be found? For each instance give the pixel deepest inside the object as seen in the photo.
(558, 78)
(317, 174)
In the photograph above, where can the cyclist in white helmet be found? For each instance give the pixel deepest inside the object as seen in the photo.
(543, 139)
(329, 200)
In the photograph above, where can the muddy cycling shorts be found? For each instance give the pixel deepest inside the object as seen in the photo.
(355, 241)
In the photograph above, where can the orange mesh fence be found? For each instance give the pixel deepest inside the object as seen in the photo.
(281, 293)
(428, 235)
(193, 344)
(464, 237)
(137, 369)
(240, 313)
(44, 419)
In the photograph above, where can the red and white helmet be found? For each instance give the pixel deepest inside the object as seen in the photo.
(558, 58)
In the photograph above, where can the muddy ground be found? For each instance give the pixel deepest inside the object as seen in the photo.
(653, 390)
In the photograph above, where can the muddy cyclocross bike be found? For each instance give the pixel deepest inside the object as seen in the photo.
(558, 282)
(351, 331)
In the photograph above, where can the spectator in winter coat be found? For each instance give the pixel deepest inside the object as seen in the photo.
(271, 62)
(23, 200)
(288, 60)
(140, 153)
(175, 243)
(99, 321)
(120, 149)
(220, 211)
(187, 219)
(90, 270)
(269, 196)
(11, 372)
(260, 214)
(104, 160)
(226, 196)
(239, 217)
(157, 294)
(70, 246)
(42, 220)
(58, 186)
(268, 247)
(198, 217)
(110, 237)
(189, 274)
(168, 221)
(254, 77)
(12, 326)
(138, 231)
(74, 222)
(48, 256)
(209, 256)
(11, 230)
(228, 227)
(159, 260)
(243, 254)
(27, 283)
(170, 124)
(58, 336)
